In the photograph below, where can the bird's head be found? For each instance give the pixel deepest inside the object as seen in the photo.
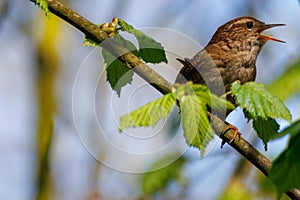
(240, 40)
(244, 32)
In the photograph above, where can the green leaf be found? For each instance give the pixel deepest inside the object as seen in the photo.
(285, 168)
(118, 73)
(149, 50)
(158, 180)
(196, 127)
(89, 42)
(261, 106)
(43, 4)
(150, 114)
(194, 99)
(255, 99)
(211, 99)
(266, 129)
(124, 25)
(288, 83)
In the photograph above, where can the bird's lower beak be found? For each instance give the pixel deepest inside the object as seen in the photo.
(267, 37)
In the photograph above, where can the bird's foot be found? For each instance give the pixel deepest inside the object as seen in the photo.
(235, 134)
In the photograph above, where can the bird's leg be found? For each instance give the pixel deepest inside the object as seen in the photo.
(235, 134)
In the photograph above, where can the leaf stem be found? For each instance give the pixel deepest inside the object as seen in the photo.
(225, 95)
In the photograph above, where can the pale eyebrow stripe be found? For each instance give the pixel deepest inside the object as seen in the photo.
(238, 22)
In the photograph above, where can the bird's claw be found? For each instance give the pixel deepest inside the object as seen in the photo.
(235, 134)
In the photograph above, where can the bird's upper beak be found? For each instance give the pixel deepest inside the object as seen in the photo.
(267, 37)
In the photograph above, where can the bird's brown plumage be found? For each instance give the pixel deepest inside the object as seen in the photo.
(229, 56)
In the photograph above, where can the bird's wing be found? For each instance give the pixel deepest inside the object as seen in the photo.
(201, 69)
(185, 71)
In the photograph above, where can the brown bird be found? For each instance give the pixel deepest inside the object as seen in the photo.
(229, 56)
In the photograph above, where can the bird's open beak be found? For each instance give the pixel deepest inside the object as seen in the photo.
(267, 37)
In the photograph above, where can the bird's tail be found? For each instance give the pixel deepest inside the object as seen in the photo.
(184, 62)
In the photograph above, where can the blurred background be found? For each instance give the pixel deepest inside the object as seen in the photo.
(45, 154)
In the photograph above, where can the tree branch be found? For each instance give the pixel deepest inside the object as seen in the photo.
(93, 32)
(162, 85)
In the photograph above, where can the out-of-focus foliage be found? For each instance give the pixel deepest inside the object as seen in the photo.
(158, 180)
(236, 190)
(292, 130)
(288, 84)
(47, 69)
(285, 169)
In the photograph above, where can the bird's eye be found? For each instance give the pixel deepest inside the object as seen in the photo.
(249, 25)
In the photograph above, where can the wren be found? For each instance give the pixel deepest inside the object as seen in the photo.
(229, 56)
